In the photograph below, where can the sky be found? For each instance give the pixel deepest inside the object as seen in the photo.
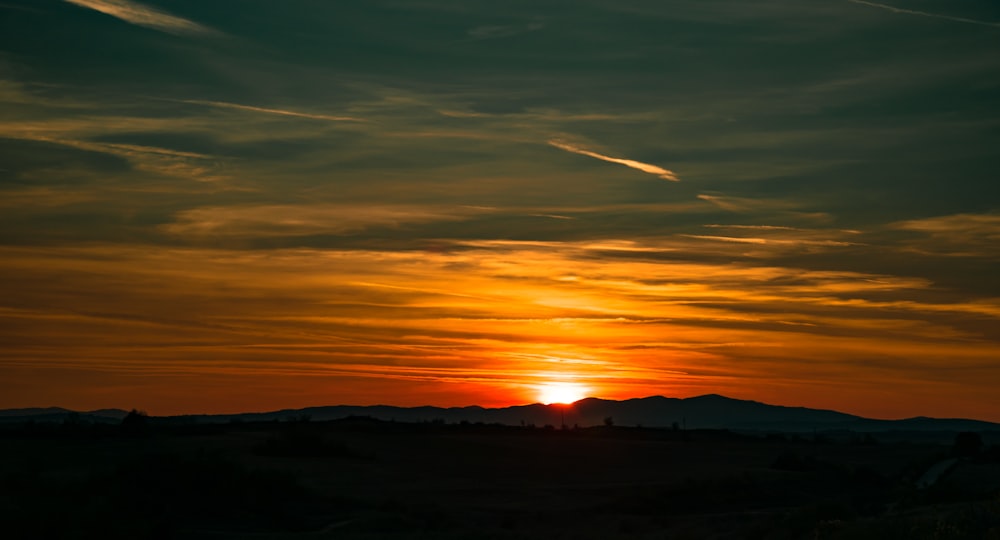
(247, 205)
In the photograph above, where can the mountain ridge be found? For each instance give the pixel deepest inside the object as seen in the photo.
(710, 411)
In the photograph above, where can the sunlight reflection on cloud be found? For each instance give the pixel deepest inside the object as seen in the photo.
(142, 15)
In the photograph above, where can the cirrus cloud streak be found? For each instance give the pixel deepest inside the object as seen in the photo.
(637, 165)
(143, 15)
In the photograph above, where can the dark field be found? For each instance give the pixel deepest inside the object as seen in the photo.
(362, 478)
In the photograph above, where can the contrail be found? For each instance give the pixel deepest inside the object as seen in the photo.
(926, 14)
(282, 112)
(638, 165)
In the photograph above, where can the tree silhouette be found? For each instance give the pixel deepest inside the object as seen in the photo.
(136, 422)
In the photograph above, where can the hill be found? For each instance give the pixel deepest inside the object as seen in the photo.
(701, 412)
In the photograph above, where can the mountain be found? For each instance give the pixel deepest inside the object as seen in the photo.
(59, 414)
(701, 412)
(33, 411)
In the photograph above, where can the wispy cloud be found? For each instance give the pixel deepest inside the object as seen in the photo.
(753, 227)
(926, 14)
(250, 231)
(295, 220)
(638, 165)
(502, 31)
(448, 316)
(777, 235)
(966, 235)
(142, 15)
(722, 202)
(749, 205)
(165, 161)
(551, 216)
(986, 226)
(265, 110)
(763, 241)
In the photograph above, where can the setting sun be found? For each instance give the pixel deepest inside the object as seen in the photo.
(561, 392)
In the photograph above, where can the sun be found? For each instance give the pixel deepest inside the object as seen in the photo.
(561, 392)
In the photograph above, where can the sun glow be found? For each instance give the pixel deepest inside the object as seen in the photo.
(561, 392)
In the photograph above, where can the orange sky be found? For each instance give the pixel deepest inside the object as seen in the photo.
(207, 330)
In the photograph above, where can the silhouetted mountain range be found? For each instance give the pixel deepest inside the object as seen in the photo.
(59, 414)
(702, 412)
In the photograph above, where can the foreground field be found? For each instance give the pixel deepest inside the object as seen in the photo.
(361, 479)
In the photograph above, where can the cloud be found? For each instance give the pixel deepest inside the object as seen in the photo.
(776, 235)
(451, 315)
(281, 112)
(296, 220)
(369, 165)
(750, 205)
(141, 15)
(21, 199)
(769, 241)
(926, 14)
(166, 161)
(502, 31)
(986, 226)
(551, 216)
(965, 235)
(638, 165)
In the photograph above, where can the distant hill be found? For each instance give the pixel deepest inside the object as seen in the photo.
(59, 414)
(702, 412)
